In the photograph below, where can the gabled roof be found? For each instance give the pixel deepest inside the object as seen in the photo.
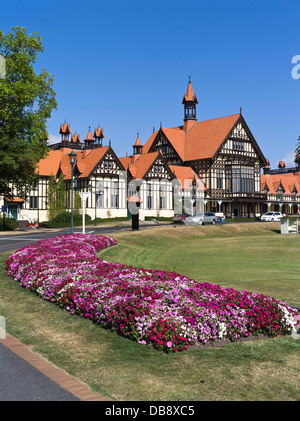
(57, 160)
(202, 140)
(139, 165)
(186, 175)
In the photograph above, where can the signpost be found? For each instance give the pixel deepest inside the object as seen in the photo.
(84, 195)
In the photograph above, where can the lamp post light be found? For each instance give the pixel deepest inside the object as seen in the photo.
(72, 158)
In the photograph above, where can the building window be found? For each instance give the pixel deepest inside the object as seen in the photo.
(158, 168)
(238, 146)
(240, 180)
(219, 178)
(33, 202)
(162, 198)
(228, 180)
(108, 164)
(99, 200)
(115, 195)
(149, 197)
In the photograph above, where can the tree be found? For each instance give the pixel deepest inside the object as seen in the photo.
(26, 102)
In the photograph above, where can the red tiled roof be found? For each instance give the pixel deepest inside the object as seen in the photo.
(288, 181)
(201, 141)
(189, 96)
(49, 165)
(186, 175)
(65, 129)
(75, 138)
(99, 132)
(204, 138)
(139, 167)
(59, 159)
(89, 136)
(138, 142)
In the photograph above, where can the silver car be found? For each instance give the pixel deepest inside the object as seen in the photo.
(201, 218)
(271, 216)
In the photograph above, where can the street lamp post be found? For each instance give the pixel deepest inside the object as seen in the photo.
(72, 159)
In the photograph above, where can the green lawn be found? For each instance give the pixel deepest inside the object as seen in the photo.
(254, 257)
(120, 369)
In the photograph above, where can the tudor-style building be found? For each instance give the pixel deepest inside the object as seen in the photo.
(162, 189)
(222, 151)
(212, 165)
(97, 170)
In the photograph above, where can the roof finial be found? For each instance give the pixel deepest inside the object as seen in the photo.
(189, 79)
(240, 110)
(160, 124)
(154, 130)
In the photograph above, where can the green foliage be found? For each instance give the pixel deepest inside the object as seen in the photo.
(61, 194)
(77, 202)
(27, 100)
(51, 197)
(63, 219)
(10, 224)
(56, 196)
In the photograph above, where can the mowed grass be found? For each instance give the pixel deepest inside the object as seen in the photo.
(120, 369)
(253, 256)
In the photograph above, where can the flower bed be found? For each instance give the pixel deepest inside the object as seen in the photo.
(163, 310)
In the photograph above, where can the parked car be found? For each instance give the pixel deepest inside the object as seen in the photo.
(179, 219)
(201, 218)
(271, 216)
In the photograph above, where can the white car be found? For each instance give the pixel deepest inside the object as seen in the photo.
(271, 216)
(201, 218)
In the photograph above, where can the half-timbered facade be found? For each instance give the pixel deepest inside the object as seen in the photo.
(222, 151)
(213, 165)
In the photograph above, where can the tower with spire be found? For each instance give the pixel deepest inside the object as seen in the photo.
(189, 101)
(137, 147)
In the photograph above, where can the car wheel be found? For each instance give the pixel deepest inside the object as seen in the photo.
(213, 222)
(272, 220)
(200, 222)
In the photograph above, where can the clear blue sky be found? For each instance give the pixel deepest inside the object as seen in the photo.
(125, 64)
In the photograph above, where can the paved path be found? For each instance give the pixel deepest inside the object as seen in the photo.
(10, 240)
(25, 376)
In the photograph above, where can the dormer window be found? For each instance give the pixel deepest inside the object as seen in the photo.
(280, 194)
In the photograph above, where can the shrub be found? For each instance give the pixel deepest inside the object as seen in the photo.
(63, 219)
(10, 224)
